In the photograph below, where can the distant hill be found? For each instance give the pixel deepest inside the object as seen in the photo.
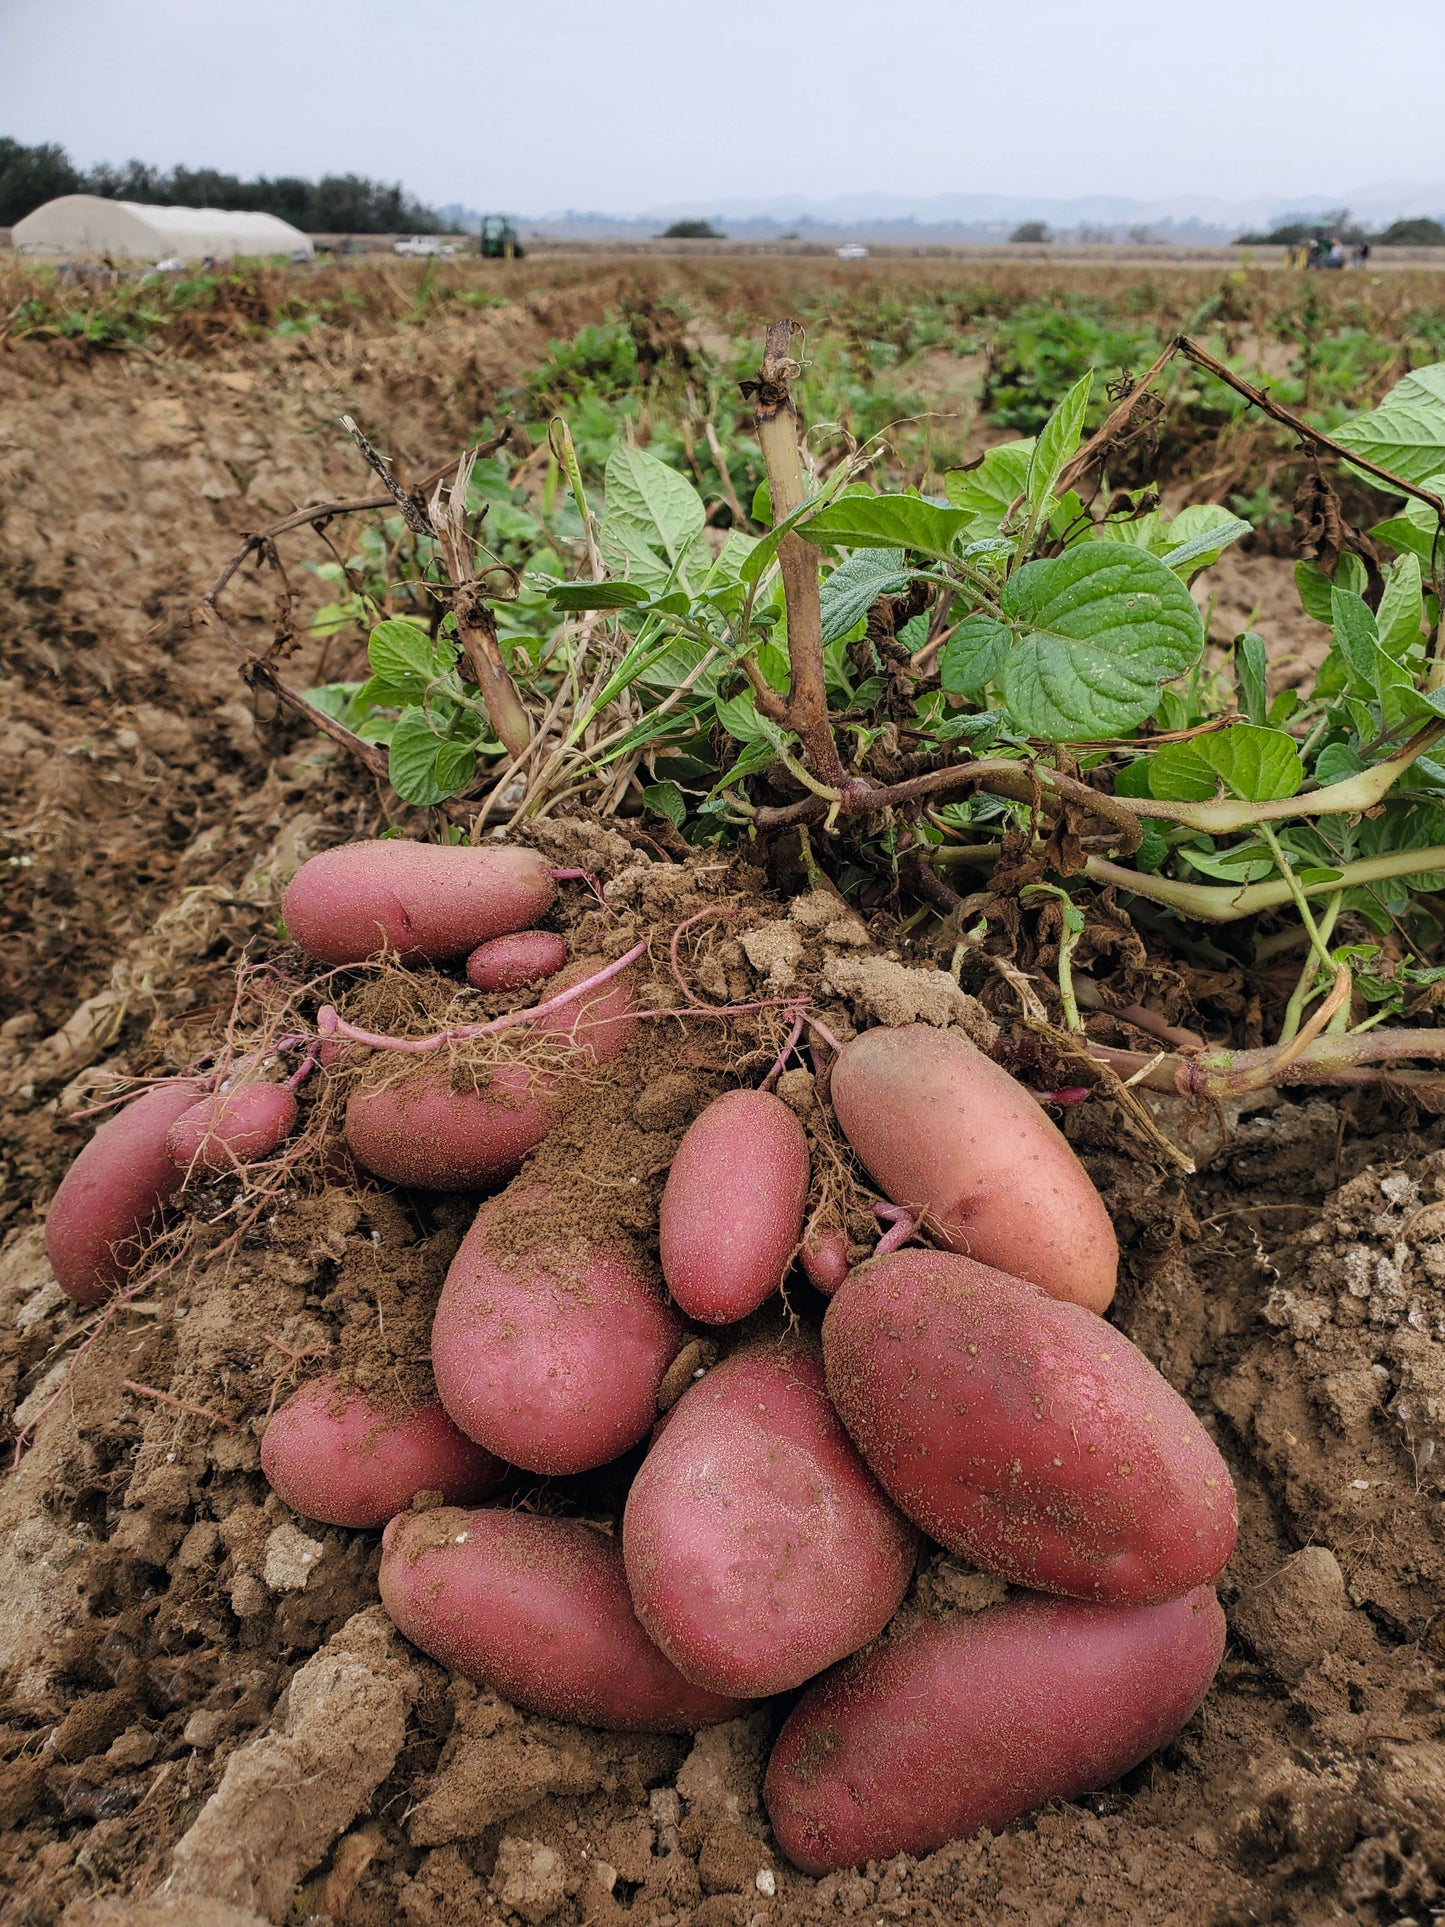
(1201, 220)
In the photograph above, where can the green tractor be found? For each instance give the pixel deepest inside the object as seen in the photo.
(499, 239)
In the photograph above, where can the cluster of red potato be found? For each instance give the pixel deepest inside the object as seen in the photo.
(969, 1391)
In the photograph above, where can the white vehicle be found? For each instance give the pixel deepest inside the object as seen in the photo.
(423, 244)
(853, 251)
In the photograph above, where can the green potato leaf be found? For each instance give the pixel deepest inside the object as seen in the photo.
(1201, 535)
(1399, 615)
(1093, 634)
(661, 507)
(987, 491)
(1250, 665)
(867, 521)
(401, 654)
(572, 596)
(1255, 764)
(1243, 863)
(1406, 433)
(425, 768)
(667, 800)
(856, 584)
(1057, 444)
(1356, 638)
(973, 656)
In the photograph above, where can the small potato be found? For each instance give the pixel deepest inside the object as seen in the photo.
(426, 901)
(732, 1209)
(1025, 1433)
(550, 1356)
(537, 1610)
(964, 1725)
(758, 1547)
(109, 1198)
(334, 1455)
(420, 1131)
(944, 1130)
(513, 963)
(824, 1258)
(232, 1128)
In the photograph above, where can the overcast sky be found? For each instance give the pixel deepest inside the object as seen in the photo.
(536, 105)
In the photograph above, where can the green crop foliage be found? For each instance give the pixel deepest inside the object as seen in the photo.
(1065, 638)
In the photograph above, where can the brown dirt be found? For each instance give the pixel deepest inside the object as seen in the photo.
(196, 1684)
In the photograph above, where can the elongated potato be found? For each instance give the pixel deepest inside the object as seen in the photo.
(426, 901)
(232, 1128)
(967, 1724)
(110, 1197)
(759, 1548)
(511, 963)
(1025, 1433)
(732, 1209)
(537, 1609)
(333, 1454)
(549, 1355)
(421, 1131)
(945, 1130)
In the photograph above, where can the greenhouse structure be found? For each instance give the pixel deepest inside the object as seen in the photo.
(77, 224)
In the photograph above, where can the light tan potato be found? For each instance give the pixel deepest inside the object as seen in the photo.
(945, 1131)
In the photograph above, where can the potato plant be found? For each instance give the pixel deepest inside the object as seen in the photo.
(915, 684)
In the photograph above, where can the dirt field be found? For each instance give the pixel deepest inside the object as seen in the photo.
(158, 1637)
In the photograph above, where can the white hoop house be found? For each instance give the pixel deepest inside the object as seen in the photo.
(135, 231)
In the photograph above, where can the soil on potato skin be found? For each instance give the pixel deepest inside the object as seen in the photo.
(169, 1630)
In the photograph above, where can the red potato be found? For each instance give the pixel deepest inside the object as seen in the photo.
(823, 1255)
(963, 1726)
(537, 1610)
(232, 1128)
(420, 1131)
(732, 1209)
(334, 1455)
(426, 901)
(943, 1129)
(1025, 1433)
(512, 963)
(758, 1546)
(551, 1357)
(109, 1198)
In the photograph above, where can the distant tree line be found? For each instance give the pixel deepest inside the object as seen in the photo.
(1419, 231)
(336, 204)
